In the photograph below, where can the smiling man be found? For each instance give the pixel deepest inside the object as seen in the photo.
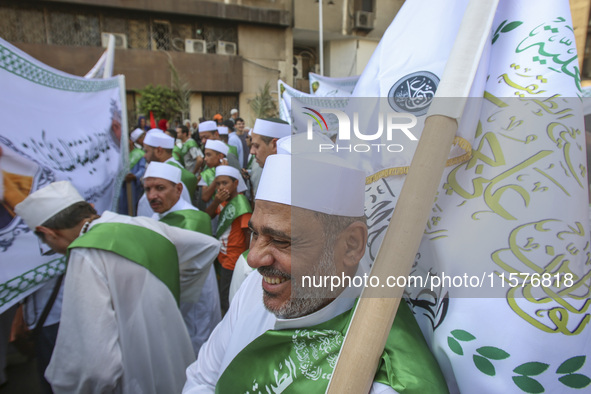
(288, 335)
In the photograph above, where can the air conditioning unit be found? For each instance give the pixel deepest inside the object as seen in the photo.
(195, 46)
(225, 48)
(364, 20)
(298, 68)
(120, 40)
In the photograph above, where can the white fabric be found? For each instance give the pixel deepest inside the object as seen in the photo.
(299, 143)
(137, 133)
(208, 125)
(164, 171)
(217, 146)
(190, 158)
(222, 130)
(40, 149)
(46, 202)
(159, 140)
(35, 303)
(322, 179)
(234, 140)
(241, 272)
(234, 173)
(143, 206)
(203, 313)
(247, 319)
(121, 330)
(271, 129)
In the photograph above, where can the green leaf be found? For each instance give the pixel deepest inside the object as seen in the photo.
(511, 26)
(494, 353)
(571, 365)
(500, 26)
(462, 335)
(531, 369)
(484, 365)
(528, 385)
(575, 380)
(455, 346)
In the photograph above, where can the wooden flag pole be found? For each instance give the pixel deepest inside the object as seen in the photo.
(373, 317)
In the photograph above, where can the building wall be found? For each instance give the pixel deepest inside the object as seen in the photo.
(264, 51)
(67, 36)
(347, 45)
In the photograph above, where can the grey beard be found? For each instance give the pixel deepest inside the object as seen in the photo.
(306, 301)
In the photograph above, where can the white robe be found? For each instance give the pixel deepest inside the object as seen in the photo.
(246, 320)
(121, 330)
(204, 312)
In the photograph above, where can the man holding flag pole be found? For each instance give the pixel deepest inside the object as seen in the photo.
(510, 208)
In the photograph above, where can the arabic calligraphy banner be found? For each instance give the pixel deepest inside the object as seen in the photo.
(55, 126)
(323, 86)
(513, 213)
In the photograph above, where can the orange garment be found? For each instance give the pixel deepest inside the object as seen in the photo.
(233, 240)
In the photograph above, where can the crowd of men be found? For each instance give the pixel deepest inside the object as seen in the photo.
(146, 304)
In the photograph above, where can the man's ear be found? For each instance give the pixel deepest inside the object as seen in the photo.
(47, 232)
(274, 144)
(179, 188)
(354, 238)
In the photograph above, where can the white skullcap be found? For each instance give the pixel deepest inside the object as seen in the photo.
(322, 183)
(233, 111)
(217, 146)
(137, 133)
(208, 125)
(271, 129)
(47, 202)
(186, 121)
(234, 173)
(299, 143)
(222, 130)
(164, 171)
(157, 139)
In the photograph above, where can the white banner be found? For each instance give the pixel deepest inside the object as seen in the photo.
(322, 86)
(104, 67)
(513, 216)
(56, 127)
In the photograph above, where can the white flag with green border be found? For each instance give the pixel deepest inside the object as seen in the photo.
(56, 127)
(513, 214)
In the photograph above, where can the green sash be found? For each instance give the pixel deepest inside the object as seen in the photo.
(232, 150)
(135, 156)
(189, 219)
(176, 154)
(249, 165)
(302, 360)
(237, 206)
(138, 244)
(208, 175)
(190, 143)
(187, 178)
